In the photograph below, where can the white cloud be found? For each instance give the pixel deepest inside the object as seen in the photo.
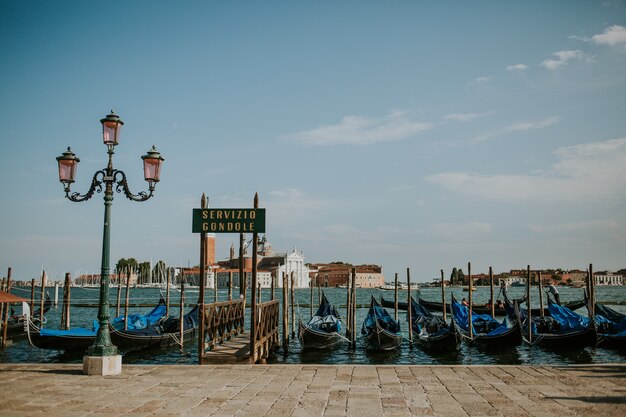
(562, 58)
(612, 36)
(517, 127)
(479, 80)
(582, 172)
(517, 67)
(359, 130)
(465, 117)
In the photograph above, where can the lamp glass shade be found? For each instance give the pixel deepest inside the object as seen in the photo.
(67, 170)
(111, 132)
(152, 169)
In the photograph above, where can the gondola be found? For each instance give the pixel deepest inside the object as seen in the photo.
(431, 332)
(165, 333)
(478, 309)
(15, 324)
(380, 331)
(323, 329)
(560, 329)
(611, 327)
(79, 339)
(486, 331)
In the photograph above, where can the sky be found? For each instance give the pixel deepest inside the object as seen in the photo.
(409, 134)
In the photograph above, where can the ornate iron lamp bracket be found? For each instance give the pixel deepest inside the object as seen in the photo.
(119, 177)
(96, 186)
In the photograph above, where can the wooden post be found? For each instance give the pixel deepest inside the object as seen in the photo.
(119, 293)
(202, 283)
(311, 303)
(253, 312)
(7, 311)
(230, 285)
(56, 293)
(395, 298)
(285, 316)
(259, 295)
(126, 302)
(353, 308)
(67, 295)
(319, 294)
(168, 282)
(470, 326)
(293, 313)
(43, 296)
(32, 296)
(541, 313)
(273, 278)
(493, 302)
(409, 313)
(443, 296)
(242, 278)
(215, 285)
(181, 334)
(592, 292)
(348, 309)
(529, 319)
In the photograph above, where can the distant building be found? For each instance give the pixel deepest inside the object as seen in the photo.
(336, 275)
(608, 278)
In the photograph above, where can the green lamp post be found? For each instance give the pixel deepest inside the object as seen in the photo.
(108, 178)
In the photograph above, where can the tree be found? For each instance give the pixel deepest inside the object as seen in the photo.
(460, 276)
(143, 272)
(453, 276)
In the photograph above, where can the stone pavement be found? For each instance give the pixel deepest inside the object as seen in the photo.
(314, 390)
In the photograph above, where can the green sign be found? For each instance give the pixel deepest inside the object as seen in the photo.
(228, 220)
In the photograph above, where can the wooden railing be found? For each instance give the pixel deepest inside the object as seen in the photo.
(266, 333)
(222, 321)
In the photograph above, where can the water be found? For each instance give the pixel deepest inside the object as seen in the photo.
(21, 351)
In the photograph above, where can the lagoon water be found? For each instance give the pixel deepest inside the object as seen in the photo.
(21, 351)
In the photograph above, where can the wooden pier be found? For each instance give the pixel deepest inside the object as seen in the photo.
(225, 339)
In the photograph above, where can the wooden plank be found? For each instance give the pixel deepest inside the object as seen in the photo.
(235, 350)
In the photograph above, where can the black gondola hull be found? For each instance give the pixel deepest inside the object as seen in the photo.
(570, 340)
(381, 339)
(311, 338)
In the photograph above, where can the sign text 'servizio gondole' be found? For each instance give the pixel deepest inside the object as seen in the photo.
(216, 220)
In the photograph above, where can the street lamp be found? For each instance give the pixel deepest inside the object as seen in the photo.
(107, 178)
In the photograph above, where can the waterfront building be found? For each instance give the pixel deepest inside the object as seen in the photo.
(337, 275)
(608, 278)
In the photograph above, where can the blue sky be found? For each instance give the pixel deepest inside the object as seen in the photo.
(421, 134)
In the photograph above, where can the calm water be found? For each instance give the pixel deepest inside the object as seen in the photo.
(21, 351)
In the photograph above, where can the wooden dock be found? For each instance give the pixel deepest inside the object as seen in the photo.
(233, 351)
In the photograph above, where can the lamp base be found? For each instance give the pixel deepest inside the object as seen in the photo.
(102, 365)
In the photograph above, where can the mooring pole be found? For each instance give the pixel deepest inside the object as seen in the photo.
(119, 293)
(408, 307)
(253, 312)
(592, 293)
(230, 285)
(202, 283)
(311, 303)
(6, 308)
(353, 325)
(215, 285)
(243, 282)
(32, 296)
(493, 302)
(469, 288)
(181, 334)
(285, 316)
(127, 298)
(348, 309)
(395, 298)
(273, 278)
(443, 296)
(541, 312)
(67, 301)
(293, 313)
(167, 291)
(528, 305)
(43, 296)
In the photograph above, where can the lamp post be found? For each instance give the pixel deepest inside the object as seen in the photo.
(107, 178)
